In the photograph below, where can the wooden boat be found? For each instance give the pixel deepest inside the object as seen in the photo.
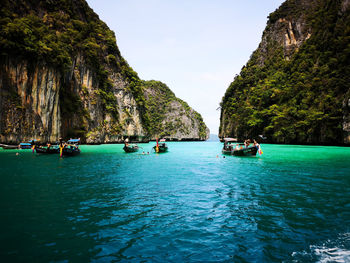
(228, 146)
(25, 145)
(130, 148)
(238, 149)
(71, 148)
(160, 147)
(48, 150)
(10, 147)
(245, 151)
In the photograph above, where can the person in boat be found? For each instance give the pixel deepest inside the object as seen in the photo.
(256, 144)
(62, 143)
(247, 143)
(32, 145)
(126, 142)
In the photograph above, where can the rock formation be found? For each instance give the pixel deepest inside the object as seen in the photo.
(295, 87)
(62, 75)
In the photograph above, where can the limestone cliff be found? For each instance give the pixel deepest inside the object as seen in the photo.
(172, 118)
(62, 75)
(295, 87)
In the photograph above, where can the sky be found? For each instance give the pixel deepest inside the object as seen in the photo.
(196, 47)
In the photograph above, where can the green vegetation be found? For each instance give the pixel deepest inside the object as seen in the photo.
(67, 35)
(55, 33)
(158, 103)
(297, 100)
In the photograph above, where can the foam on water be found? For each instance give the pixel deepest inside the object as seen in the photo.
(337, 251)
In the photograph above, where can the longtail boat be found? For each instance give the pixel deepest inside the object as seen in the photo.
(240, 149)
(130, 148)
(71, 148)
(9, 147)
(228, 146)
(28, 145)
(50, 149)
(25, 145)
(160, 147)
(244, 151)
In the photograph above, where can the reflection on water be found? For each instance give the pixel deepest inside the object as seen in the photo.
(183, 206)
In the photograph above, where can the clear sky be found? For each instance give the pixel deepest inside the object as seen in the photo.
(196, 47)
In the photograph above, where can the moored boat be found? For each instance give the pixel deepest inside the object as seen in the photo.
(9, 147)
(240, 149)
(228, 146)
(50, 149)
(130, 148)
(28, 145)
(25, 145)
(71, 148)
(160, 147)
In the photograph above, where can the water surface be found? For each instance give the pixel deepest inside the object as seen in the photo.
(292, 204)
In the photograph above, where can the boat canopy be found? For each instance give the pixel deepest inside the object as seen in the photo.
(74, 140)
(230, 139)
(162, 140)
(25, 144)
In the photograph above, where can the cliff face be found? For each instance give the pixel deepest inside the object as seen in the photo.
(172, 118)
(31, 105)
(295, 87)
(32, 108)
(62, 75)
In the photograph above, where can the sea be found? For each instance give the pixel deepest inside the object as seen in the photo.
(191, 204)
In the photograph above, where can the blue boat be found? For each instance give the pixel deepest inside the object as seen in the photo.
(27, 145)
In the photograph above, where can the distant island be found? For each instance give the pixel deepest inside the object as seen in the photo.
(213, 138)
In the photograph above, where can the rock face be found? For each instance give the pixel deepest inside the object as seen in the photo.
(295, 87)
(32, 108)
(173, 118)
(31, 105)
(62, 75)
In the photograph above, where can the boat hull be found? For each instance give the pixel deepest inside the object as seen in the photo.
(25, 146)
(249, 151)
(69, 151)
(47, 150)
(131, 149)
(227, 152)
(161, 149)
(10, 147)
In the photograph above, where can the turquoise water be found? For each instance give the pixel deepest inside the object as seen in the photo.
(292, 204)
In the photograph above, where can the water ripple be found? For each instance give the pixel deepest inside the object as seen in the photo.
(290, 205)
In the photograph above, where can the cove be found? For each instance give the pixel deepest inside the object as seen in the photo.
(291, 204)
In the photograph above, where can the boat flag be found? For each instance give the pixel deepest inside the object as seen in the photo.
(61, 150)
(33, 148)
(157, 146)
(260, 151)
